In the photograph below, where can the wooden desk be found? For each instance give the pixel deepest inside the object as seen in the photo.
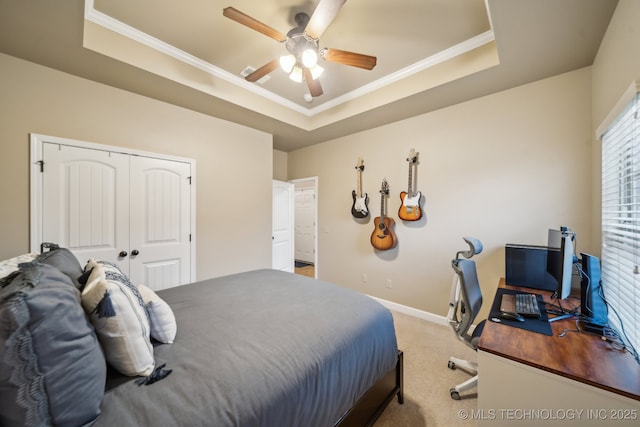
(521, 370)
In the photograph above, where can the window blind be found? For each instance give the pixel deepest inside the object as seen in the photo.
(621, 221)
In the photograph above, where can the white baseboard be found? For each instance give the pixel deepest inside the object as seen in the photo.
(425, 315)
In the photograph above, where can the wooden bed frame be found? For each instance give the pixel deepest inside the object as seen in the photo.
(367, 410)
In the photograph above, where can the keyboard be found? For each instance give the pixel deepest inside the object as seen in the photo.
(527, 305)
(524, 304)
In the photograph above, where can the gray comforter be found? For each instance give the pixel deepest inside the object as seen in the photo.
(262, 348)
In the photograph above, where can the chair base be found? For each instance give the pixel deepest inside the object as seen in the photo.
(471, 368)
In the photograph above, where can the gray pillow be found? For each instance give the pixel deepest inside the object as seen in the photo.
(52, 369)
(64, 260)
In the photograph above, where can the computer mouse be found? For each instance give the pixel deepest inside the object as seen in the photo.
(506, 315)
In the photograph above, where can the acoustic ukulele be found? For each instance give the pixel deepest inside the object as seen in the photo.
(410, 208)
(360, 207)
(383, 236)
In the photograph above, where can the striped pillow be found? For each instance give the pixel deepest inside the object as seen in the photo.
(117, 312)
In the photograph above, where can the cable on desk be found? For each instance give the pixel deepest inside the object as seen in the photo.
(609, 333)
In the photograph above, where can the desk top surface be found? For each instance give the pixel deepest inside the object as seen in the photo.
(580, 356)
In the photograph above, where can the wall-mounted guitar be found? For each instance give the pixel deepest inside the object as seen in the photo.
(410, 208)
(360, 208)
(383, 236)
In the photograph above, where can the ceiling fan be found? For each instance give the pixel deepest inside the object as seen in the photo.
(302, 43)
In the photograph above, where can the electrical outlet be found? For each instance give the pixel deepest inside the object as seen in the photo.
(389, 284)
(364, 277)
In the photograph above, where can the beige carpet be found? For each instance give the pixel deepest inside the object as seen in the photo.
(427, 379)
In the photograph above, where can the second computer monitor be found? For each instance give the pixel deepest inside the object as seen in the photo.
(560, 260)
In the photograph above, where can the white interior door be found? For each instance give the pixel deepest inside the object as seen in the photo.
(83, 207)
(305, 216)
(133, 209)
(283, 224)
(159, 222)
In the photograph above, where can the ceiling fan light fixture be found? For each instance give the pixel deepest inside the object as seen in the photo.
(287, 62)
(302, 42)
(316, 71)
(309, 58)
(296, 74)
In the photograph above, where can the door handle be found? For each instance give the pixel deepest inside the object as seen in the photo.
(123, 254)
(134, 252)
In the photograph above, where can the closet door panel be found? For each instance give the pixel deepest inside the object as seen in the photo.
(160, 222)
(86, 202)
(305, 225)
(282, 226)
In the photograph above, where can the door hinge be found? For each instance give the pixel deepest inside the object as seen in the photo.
(41, 163)
(189, 236)
(189, 178)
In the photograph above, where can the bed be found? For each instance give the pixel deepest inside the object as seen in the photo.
(259, 348)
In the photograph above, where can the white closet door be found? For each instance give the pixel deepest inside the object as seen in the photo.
(159, 222)
(130, 209)
(83, 207)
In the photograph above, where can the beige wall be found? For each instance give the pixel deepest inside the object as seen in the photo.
(616, 66)
(503, 168)
(230, 159)
(279, 165)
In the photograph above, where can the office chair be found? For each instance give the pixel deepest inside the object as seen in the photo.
(465, 281)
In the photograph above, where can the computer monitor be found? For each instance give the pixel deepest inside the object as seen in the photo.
(526, 265)
(560, 260)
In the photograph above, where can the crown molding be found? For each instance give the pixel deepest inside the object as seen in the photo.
(438, 58)
(112, 24)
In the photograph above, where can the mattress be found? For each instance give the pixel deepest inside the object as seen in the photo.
(261, 348)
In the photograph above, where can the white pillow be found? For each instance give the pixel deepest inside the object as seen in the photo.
(119, 317)
(10, 265)
(161, 317)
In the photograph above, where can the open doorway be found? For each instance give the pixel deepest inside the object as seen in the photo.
(306, 226)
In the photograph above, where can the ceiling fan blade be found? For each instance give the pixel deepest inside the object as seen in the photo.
(315, 89)
(324, 14)
(349, 58)
(263, 71)
(252, 23)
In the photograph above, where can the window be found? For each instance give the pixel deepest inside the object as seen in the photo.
(621, 220)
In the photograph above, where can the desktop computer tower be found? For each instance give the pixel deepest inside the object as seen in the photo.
(592, 305)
